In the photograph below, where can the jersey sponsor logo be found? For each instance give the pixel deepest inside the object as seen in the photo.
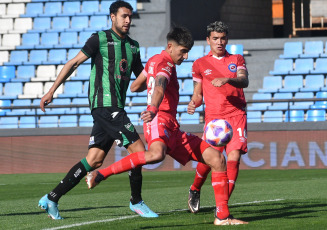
(123, 65)
(167, 134)
(112, 43)
(150, 70)
(130, 127)
(77, 173)
(207, 72)
(232, 67)
(91, 141)
(167, 69)
(117, 76)
(171, 65)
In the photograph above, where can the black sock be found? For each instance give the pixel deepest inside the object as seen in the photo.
(135, 180)
(73, 177)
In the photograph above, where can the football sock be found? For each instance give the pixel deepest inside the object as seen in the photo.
(135, 181)
(201, 173)
(129, 162)
(219, 182)
(72, 178)
(232, 173)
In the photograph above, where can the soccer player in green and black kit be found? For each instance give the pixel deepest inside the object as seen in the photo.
(114, 56)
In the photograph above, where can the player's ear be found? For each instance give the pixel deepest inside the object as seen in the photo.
(169, 47)
(112, 17)
(208, 40)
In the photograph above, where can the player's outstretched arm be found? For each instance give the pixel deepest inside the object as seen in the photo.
(66, 71)
(197, 97)
(139, 84)
(241, 81)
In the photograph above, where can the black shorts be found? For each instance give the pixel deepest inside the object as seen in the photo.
(109, 125)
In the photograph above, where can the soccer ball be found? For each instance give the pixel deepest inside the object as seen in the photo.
(218, 133)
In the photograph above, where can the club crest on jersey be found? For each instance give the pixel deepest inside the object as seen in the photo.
(232, 67)
(123, 65)
(207, 72)
(133, 49)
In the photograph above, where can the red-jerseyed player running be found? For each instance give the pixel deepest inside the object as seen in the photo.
(161, 128)
(220, 77)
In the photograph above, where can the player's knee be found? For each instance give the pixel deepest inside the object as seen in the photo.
(154, 156)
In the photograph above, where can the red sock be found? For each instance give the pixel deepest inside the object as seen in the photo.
(232, 173)
(219, 182)
(201, 173)
(129, 162)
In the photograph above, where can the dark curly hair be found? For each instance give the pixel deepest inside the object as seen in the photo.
(182, 36)
(217, 26)
(118, 4)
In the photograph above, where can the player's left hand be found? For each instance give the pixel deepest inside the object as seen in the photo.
(147, 116)
(218, 82)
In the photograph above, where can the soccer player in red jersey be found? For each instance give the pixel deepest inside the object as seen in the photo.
(161, 128)
(219, 78)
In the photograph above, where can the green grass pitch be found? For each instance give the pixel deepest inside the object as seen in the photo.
(268, 199)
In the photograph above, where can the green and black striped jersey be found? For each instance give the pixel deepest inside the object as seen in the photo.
(112, 62)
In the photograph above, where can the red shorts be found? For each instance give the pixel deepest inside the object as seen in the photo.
(240, 139)
(182, 146)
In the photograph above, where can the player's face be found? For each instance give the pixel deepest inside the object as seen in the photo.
(177, 52)
(217, 42)
(121, 22)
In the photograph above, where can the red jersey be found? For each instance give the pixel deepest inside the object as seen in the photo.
(224, 101)
(162, 64)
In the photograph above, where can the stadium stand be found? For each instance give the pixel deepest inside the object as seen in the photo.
(282, 67)
(312, 49)
(292, 50)
(294, 116)
(273, 116)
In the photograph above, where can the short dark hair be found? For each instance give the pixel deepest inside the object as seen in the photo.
(217, 26)
(114, 7)
(182, 36)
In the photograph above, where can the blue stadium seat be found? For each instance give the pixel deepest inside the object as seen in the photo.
(9, 122)
(186, 118)
(184, 70)
(56, 57)
(52, 9)
(82, 38)
(282, 67)
(71, 8)
(321, 66)
(320, 104)
(7, 73)
(207, 49)
(17, 57)
(24, 73)
(325, 53)
(312, 49)
(79, 23)
(98, 22)
(135, 118)
(292, 50)
(104, 7)
(12, 90)
(28, 122)
(1, 89)
(260, 106)
(181, 108)
(133, 4)
(143, 53)
(195, 53)
(292, 83)
(152, 50)
(48, 40)
(253, 116)
(273, 116)
(59, 24)
(90, 8)
(33, 9)
(187, 87)
(48, 121)
(83, 72)
(37, 57)
(85, 90)
(60, 101)
(302, 104)
(316, 115)
(281, 105)
(303, 66)
(85, 121)
(67, 40)
(4, 103)
(294, 116)
(19, 112)
(68, 121)
(313, 83)
(72, 53)
(82, 101)
(139, 108)
(29, 41)
(41, 24)
(235, 49)
(72, 89)
(271, 84)
(184, 99)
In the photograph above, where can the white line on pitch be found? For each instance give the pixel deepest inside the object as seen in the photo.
(133, 216)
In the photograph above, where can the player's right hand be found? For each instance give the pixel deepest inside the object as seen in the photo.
(45, 100)
(191, 107)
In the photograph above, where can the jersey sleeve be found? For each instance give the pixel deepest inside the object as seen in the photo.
(164, 68)
(241, 62)
(196, 72)
(91, 46)
(137, 67)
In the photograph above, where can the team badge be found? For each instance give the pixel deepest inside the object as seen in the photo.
(123, 65)
(91, 141)
(232, 67)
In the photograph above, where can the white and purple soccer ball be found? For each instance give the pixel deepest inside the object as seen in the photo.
(218, 133)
